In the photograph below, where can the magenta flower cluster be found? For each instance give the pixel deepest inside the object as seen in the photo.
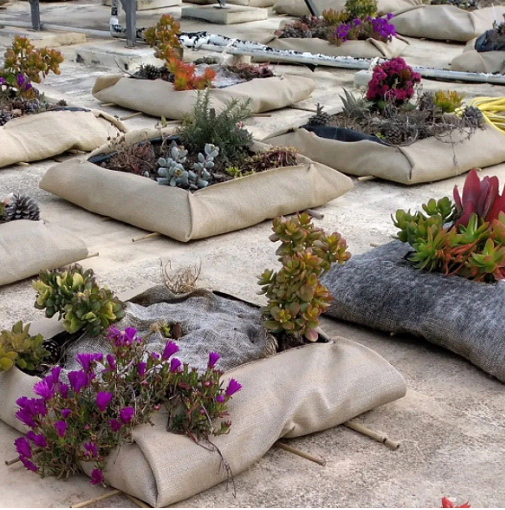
(392, 80)
(368, 28)
(97, 407)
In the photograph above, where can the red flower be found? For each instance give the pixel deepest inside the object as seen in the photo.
(447, 503)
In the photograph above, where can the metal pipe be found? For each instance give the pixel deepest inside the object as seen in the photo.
(35, 14)
(50, 26)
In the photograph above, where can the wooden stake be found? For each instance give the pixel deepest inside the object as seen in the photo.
(314, 214)
(261, 115)
(381, 438)
(147, 236)
(126, 117)
(98, 498)
(367, 178)
(91, 255)
(104, 105)
(138, 502)
(375, 245)
(23, 163)
(76, 151)
(300, 453)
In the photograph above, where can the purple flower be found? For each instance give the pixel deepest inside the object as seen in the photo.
(23, 447)
(78, 380)
(126, 414)
(91, 450)
(115, 425)
(174, 365)
(28, 464)
(213, 357)
(2, 81)
(220, 399)
(63, 388)
(54, 376)
(233, 387)
(111, 360)
(86, 360)
(25, 417)
(96, 477)
(43, 389)
(20, 79)
(141, 368)
(37, 439)
(61, 427)
(155, 355)
(102, 400)
(65, 413)
(170, 349)
(29, 409)
(122, 339)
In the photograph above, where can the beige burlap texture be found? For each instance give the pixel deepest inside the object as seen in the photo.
(182, 215)
(445, 22)
(250, 3)
(299, 7)
(158, 97)
(473, 61)
(423, 161)
(27, 246)
(298, 392)
(47, 134)
(370, 48)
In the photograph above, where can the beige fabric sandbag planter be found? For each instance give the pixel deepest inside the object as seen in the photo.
(334, 382)
(249, 3)
(423, 161)
(28, 246)
(47, 134)
(370, 48)
(473, 61)
(445, 22)
(158, 97)
(299, 7)
(182, 215)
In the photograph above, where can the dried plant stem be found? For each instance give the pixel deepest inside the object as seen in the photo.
(147, 236)
(126, 117)
(301, 453)
(381, 438)
(83, 504)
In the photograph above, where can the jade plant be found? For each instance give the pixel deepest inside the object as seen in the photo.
(464, 237)
(296, 297)
(76, 297)
(81, 416)
(18, 347)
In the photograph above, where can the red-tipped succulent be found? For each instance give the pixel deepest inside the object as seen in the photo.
(480, 197)
(447, 503)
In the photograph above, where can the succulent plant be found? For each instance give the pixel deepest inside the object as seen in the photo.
(448, 101)
(295, 295)
(18, 347)
(359, 9)
(77, 298)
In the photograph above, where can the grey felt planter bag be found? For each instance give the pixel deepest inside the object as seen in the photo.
(380, 289)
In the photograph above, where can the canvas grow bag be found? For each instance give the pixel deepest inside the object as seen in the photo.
(370, 48)
(158, 97)
(299, 7)
(423, 161)
(473, 61)
(182, 215)
(250, 3)
(334, 382)
(380, 289)
(28, 246)
(47, 134)
(445, 22)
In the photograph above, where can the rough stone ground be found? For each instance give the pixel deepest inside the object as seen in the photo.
(451, 423)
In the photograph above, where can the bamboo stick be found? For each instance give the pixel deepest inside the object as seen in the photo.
(147, 236)
(375, 245)
(126, 117)
(91, 255)
(367, 178)
(314, 214)
(137, 501)
(301, 453)
(76, 151)
(381, 438)
(23, 163)
(83, 504)
(104, 105)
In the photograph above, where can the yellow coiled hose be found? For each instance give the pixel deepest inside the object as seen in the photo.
(493, 110)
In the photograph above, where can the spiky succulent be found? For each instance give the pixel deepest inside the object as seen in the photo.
(77, 298)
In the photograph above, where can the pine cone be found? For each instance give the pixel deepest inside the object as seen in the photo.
(54, 351)
(4, 117)
(149, 72)
(21, 207)
(472, 117)
(393, 135)
(320, 118)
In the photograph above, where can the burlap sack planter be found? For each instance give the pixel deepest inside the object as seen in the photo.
(158, 97)
(299, 7)
(47, 134)
(380, 289)
(182, 215)
(423, 161)
(28, 246)
(473, 61)
(370, 48)
(249, 3)
(334, 382)
(445, 22)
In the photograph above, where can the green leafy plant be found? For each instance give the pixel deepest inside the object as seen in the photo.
(448, 101)
(18, 347)
(77, 298)
(223, 129)
(296, 297)
(83, 417)
(164, 38)
(465, 237)
(360, 9)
